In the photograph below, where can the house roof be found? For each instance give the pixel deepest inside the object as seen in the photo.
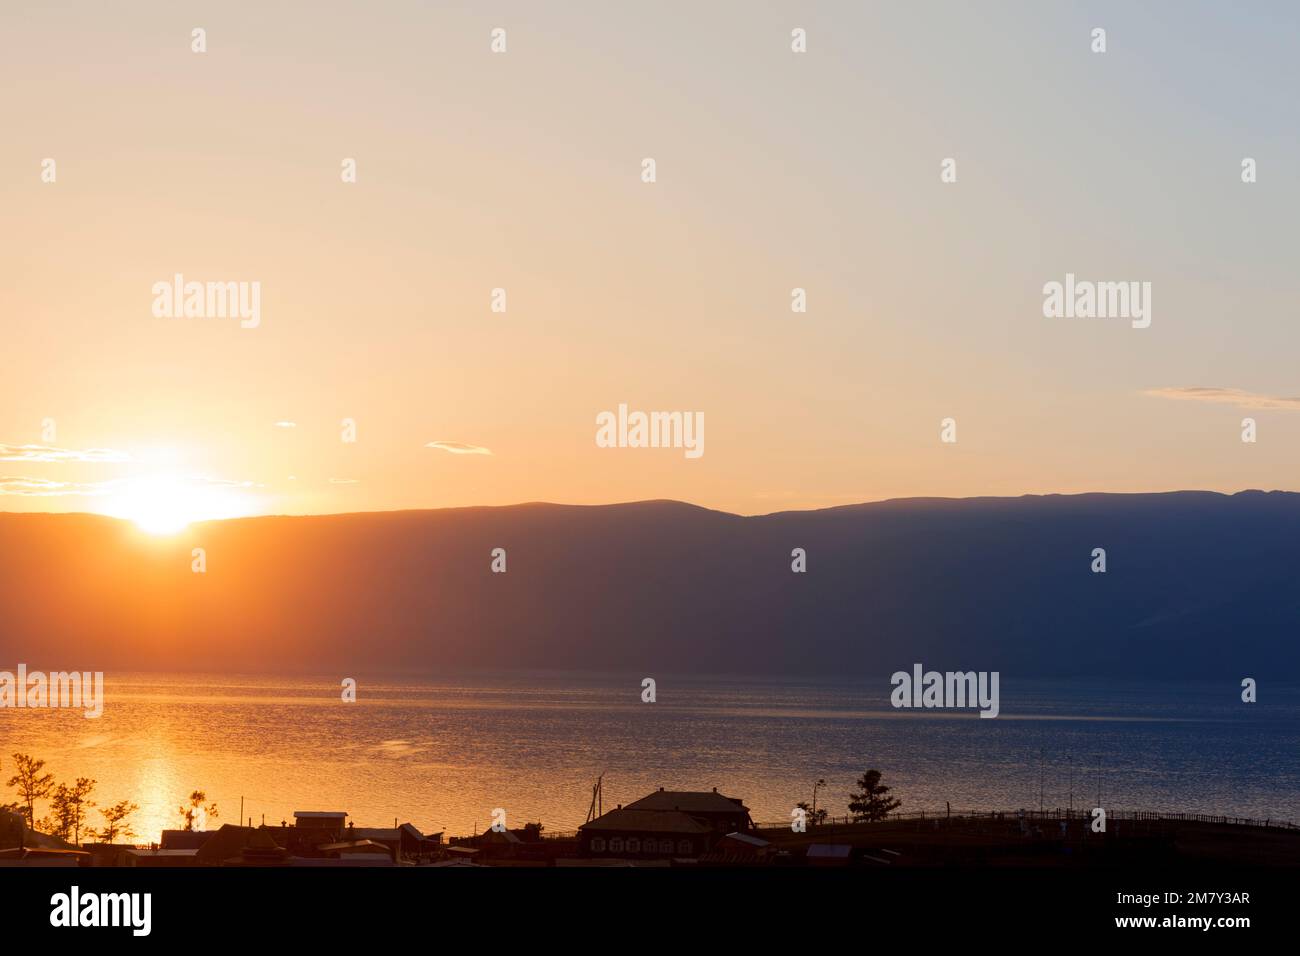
(689, 801)
(350, 846)
(629, 820)
(753, 841)
(231, 841)
(319, 814)
(184, 839)
(40, 852)
(830, 851)
(373, 833)
(446, 863)
(386, 833)
(32, 838)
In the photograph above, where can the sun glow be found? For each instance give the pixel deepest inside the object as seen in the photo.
(167, 504)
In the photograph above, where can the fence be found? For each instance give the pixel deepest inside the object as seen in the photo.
(1032, 816)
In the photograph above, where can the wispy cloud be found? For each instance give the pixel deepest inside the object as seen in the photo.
(229, 482)
(50, 453)
(459, 448)
(345, 481)
(286, 424)
(45, 488)
(397, 748)
(1224, 396)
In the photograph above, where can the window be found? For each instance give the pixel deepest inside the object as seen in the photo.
(597, 844)
(665, 846)
(684, 846)
(633, 845)
(615, 844)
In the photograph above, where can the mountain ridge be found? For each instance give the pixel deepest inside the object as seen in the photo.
(1198, 584)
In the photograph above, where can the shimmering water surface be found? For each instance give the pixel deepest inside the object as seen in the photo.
(443, 752)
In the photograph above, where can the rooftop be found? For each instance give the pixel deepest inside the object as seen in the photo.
(690, 801)
(387, 833)
(748, 840)
(231, 841)
(350, 846)
(830, 851)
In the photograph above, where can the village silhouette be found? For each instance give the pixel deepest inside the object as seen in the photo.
(665, 828)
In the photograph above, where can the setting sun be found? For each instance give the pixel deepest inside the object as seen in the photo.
(167, 504)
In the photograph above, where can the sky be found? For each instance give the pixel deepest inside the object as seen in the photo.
(523, 171)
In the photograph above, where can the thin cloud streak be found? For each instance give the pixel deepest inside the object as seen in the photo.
(46, 488)
(29, 487)
(48, 453)
(459, 448)
(1224, 396)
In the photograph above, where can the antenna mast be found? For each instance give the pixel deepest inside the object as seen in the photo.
(597, 807)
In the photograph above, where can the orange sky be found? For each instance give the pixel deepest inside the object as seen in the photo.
(522, 171)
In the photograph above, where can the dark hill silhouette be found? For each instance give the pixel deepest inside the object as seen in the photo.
(1198, 585)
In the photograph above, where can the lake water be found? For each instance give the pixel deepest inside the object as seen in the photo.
(443, 752)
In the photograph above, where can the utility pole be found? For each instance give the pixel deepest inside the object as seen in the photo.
(597, 807)
(1070, 758)
(1040, 780)
(819, 783)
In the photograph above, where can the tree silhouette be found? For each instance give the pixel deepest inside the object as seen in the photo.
(11, 807)
(115, 822)
(68, 807)
(32, 785)
(196, 811)
(872, 803)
